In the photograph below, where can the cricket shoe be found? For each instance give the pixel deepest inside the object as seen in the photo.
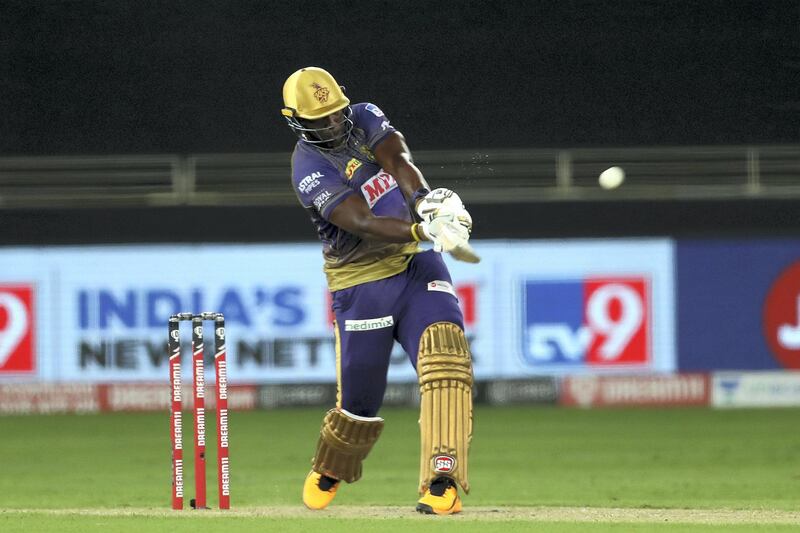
(319, 490)
(440, 498)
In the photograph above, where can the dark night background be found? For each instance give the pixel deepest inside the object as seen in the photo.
(113, 77)
(183, 77)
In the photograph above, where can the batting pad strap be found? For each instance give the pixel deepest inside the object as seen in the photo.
(345, 440)
(444, 367)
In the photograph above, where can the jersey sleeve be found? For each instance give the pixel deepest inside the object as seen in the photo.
(375, 124)
(318, 184)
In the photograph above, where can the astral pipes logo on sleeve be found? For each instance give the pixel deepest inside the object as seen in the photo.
(17, 329)
(369, 323)
(310, 182)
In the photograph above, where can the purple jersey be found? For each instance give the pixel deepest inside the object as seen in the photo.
(323, 179)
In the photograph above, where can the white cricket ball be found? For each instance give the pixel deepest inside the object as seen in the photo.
(611, 178)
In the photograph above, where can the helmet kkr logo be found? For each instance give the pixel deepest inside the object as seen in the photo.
(321, 93)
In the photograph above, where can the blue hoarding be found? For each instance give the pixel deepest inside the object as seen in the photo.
(737, 304)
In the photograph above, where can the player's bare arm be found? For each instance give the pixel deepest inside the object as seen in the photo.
(444, 218)
(394, 156)
(354, 215)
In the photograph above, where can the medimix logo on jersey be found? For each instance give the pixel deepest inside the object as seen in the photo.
(17, 329)
(593, 322)
(377, 187)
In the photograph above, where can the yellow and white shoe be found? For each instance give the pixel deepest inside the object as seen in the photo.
(440, 498)
(319, 490)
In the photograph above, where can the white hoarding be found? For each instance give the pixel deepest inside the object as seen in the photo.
(756, 389)
(576, 306)
(99, 313)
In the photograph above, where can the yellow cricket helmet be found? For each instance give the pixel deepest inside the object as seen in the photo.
(312, 93)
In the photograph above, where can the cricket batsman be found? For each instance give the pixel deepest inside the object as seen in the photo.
(371, 206)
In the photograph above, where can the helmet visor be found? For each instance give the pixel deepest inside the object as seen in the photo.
(329, 132)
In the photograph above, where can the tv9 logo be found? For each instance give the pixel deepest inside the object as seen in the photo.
(16, 329)
(597, 322)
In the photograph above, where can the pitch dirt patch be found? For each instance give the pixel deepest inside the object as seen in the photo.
(531, 514)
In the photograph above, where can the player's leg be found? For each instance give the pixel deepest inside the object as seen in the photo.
(364, 339)
(345, 441)
(432, 333)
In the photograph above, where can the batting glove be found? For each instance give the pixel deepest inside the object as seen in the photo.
(444, 203)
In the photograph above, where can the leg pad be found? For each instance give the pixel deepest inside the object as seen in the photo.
(344, 442)
(444, 367)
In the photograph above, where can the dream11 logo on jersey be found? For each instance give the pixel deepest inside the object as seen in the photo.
(595, 322)
(16, 329)
(781, 322)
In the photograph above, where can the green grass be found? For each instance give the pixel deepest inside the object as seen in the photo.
(304, 525)
(525, 456)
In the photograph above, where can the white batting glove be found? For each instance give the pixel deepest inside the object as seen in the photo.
(445, 232)
(444, 203)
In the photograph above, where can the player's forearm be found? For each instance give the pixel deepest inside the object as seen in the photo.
(409, 178)
(395, 158)
(387, 229)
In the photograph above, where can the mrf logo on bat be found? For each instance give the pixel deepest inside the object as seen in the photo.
(595, 322)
